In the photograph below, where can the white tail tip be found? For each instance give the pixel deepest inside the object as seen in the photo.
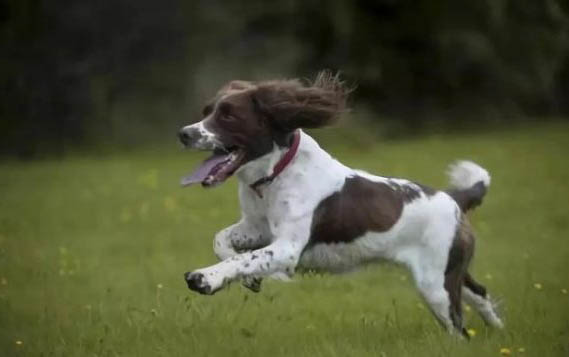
(465, 174)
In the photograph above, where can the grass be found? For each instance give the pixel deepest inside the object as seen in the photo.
(92, 251)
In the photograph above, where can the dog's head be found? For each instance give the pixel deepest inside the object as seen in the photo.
(246, 119)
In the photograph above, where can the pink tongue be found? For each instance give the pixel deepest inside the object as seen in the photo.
(203, 170)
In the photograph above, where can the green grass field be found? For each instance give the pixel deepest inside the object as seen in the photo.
(92, 252)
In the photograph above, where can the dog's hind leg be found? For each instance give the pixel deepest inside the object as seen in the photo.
(438, 267)
(459, 258)
(430, 283)
(476, 295)
(442, 293)
(453, 285)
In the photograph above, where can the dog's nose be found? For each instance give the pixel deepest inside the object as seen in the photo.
(189, 135)
(184, 137)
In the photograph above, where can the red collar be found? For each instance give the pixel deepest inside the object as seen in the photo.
(279, 167)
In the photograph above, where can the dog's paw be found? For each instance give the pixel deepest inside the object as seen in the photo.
(252, 283)
(197, 282)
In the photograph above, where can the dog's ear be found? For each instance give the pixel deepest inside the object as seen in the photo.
(290, 104)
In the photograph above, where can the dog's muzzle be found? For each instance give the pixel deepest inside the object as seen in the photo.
(197, 137)
(189, 136)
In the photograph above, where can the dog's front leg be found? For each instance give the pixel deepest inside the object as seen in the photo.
(248, 234)
(281, 256)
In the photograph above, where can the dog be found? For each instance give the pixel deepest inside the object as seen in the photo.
(303, 210)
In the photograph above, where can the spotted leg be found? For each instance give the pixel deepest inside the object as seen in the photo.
(246, 235)
(280, 257)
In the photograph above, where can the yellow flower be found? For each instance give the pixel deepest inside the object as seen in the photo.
(563, 291)
(505, 351)
(537, 286)
(159, 286)
(521, 350)
(471, 332)
(467, 308)
(488, 276)
(18, 342)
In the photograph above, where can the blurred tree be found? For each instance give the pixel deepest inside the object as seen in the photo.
(66, 64)
(76, 72)
(419, 57)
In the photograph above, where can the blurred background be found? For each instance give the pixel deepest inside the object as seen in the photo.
(79, 74)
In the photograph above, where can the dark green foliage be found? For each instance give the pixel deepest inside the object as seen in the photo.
(415, 57)
(121, 72)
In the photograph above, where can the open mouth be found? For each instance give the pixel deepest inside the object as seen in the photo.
(217, 168)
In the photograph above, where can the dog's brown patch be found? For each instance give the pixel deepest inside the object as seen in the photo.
(360, 206)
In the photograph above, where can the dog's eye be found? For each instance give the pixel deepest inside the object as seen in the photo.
(225, 112)
(228, 118)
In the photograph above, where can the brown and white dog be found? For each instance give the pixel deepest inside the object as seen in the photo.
(303, 210)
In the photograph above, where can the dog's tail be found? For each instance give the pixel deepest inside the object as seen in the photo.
(468, 184)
